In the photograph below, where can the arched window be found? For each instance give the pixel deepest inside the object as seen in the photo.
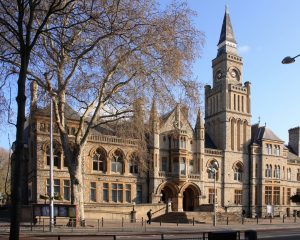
(133, 164)
(238, 172)
(56, 155)
(289, 173)
(267, 171)
(277, 171)
(182, 166)
(117, 162)
(100, 160)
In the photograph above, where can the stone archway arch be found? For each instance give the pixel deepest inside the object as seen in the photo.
(168, 193)
(190, 193)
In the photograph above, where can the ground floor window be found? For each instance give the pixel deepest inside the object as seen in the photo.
(93, 192)
(67, 190)
(211, 195)
(139, 194)
(276, 196)
(272, 195)
(288, 196)
(268, 195)
(238, 197)
(105, 192)
(56, 187)
(128, 193)
(117, 192)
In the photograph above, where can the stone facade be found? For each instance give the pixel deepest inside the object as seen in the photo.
(248, 165)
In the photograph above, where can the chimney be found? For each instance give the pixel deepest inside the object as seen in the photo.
(294, 140)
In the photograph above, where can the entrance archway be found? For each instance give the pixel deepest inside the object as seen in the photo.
(167, 194)
(190, 193)
(188, 199)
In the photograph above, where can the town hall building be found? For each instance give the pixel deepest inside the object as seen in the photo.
(243, 166)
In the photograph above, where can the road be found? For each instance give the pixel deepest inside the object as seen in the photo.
(279, 234)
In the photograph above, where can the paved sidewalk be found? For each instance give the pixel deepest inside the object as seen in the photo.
(116, 227)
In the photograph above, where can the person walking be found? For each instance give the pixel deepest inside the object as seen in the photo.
(149, 215)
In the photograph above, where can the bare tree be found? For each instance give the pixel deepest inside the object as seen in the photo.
(128, 49)
(21, 24)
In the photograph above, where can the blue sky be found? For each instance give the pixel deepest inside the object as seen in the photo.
(266, 31)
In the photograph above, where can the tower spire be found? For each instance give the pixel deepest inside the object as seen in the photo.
(227, 41)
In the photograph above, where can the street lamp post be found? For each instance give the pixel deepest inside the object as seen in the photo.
(288, 59)
(133, 213)
(51, 168)
(215, 196)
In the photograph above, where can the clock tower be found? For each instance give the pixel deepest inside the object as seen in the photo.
(227, 101)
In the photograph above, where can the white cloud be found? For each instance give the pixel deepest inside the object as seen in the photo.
(244, 49)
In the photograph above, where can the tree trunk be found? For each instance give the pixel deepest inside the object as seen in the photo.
(18, 156)
(73, 157)
(78, 193)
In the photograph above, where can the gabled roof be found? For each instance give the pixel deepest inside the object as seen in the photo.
(263, 133)
(69, 112)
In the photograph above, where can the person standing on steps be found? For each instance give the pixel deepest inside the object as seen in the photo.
(149, 215)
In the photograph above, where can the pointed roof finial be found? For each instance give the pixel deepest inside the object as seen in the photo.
(226, 31)
(199, 120)
(226, 8)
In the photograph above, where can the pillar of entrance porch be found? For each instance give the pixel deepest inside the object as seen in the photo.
(169, 206)
(180, 203)
(156, 198)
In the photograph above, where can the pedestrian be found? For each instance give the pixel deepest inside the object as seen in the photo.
(149, 215)
(243, 213)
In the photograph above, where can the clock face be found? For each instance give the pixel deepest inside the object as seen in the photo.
(233, 73)
(219, 74)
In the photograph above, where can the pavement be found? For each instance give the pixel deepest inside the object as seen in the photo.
(126, 228)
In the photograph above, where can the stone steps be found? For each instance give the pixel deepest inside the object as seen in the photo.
(198, 217)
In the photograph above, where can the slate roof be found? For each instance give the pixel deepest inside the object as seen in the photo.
(209, 143)
(226, 32)
(263, 133)
(69, 112)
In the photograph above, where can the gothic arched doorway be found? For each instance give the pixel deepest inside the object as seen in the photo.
(166, 194)
(188, 199)
(190, 193)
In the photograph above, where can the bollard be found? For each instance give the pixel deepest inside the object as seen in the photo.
(242, 220)
(295, 218)
(142, 221)
(102, 222)
(270, 219)
(31, 225)
(177, 222)
(227, 220)
(283, 218)
(162, 236)
(257, 219)
(193, 221)
(160, 222)
(98, 225)
(115, 237)
(122, 223)
(58, 237)
(43, 225)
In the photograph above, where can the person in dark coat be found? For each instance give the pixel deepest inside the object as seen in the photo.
(149, 215)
